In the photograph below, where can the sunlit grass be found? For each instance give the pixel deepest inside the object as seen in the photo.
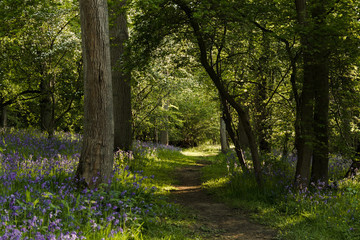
(202, 151)
(216, 183)
(317, 213)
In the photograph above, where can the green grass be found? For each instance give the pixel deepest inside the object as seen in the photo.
(319, 214)
(174, 224)
(36, 175)
(163, 167)
(316, 214)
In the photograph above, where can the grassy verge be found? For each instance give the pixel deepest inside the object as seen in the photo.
(316, 213)
(175, 223)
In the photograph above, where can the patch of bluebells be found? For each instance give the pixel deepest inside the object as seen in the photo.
(40, 201)
(142, 153)
(338, 166)
(336, 204)
(32, 144)
(151, 148)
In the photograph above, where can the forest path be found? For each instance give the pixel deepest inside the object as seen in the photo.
(214, 220)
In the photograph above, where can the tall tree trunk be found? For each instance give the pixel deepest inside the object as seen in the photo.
(4, 116)
(305, 117)
(46, 107)
(321, 122)
(164, 137)
(120, 77)
(305, 140)
(314, 104)
(262, 128)
(164, 133)
(321, 112)
(96, 160)
(262, 125)
(223, 136)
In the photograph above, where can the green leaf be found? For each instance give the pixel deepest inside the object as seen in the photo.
(77, 201)
(46, 194)
(28, 196)
(35, 202)
(54, 206)
(66, 207)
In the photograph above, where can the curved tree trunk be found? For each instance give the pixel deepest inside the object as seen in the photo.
(216, 79)
(238, 146)
(96, 160)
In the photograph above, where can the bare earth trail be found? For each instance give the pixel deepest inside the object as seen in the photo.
(215, 220)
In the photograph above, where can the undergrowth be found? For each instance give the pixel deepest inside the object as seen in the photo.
(319, 212)
(40, 201)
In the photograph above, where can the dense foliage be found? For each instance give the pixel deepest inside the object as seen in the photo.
(41, 65)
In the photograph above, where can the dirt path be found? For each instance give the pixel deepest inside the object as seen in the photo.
(214, 220)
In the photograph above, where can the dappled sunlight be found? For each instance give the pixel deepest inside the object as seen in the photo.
(193, 154)
(202, 151)
(216, 183)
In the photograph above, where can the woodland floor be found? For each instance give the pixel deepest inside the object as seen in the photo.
(214, 220)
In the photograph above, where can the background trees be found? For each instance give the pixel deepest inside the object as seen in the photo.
(170, 96)
(283, 75)
(259, 56)
(41, 65)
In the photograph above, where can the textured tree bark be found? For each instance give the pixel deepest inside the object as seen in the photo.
(262, 112)
(96, 160)
(121, 80)
(305, 140)
(261, 127)
(235, 138)
(238, 146)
